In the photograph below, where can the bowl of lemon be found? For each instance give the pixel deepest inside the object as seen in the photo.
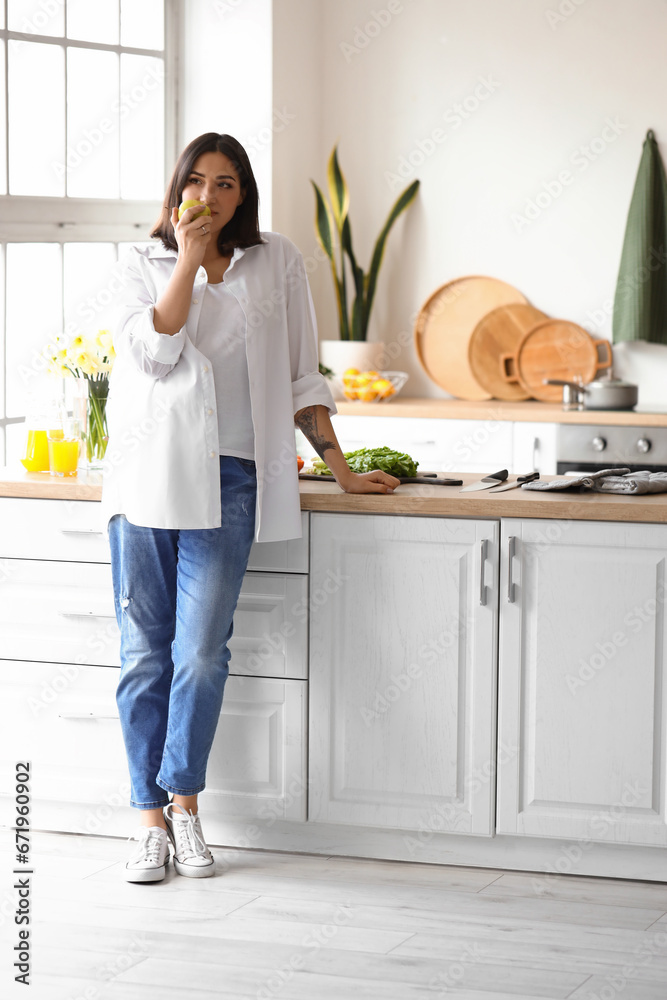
(371, 386)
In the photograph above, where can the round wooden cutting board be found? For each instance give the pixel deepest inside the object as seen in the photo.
(557, 348)
(495, 337)
(445, 325)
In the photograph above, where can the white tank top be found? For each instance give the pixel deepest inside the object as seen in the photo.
(221, 338)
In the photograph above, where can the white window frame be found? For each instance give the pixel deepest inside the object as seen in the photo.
(31, 219)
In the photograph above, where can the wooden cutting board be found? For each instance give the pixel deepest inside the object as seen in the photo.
(445, 325)
(499, 334)
(557, 348)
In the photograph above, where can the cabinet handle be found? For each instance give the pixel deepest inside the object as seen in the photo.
(83, 614)
(86, 715)
(536, 448)
(482, 558)
(80, 531)
(510, 556)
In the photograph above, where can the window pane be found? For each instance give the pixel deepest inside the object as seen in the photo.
(141, 127)
(93, 22)
(37, 17)
(3, 124)
(93, 137)
(36, 119)
(90, 292)
(32, 319)
(142, 24)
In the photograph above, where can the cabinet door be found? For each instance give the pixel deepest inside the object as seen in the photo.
(257, 765)
(402, 672)
(582, 705)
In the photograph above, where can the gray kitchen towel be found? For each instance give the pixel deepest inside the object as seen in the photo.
(585, 481)
(607, 481)
(633, 482)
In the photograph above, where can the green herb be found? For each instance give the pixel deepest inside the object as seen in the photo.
(396, 463)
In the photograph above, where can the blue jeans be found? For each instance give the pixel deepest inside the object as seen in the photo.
(175, 594)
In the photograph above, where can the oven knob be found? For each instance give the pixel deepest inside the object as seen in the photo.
(599, 444)
(643, 445)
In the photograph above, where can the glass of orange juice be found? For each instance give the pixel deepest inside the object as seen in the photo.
(63, 444)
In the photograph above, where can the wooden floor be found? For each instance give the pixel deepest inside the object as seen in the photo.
(300, 927)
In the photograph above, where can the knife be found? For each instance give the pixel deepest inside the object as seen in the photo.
(517, 482)
(485, 484)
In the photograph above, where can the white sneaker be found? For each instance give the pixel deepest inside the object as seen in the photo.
(191, 855)
(149, 861)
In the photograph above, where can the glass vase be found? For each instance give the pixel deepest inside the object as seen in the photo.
(90, 409)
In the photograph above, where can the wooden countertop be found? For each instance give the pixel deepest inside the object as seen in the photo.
(497, 409)
(427, 501)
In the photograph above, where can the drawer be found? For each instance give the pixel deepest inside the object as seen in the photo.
(52, 529)
(257, 766)
(290, 556)
(270, 636)
(58, 611)
(64, 612)
(63, 719)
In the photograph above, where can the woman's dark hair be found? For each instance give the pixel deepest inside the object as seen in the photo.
(242, 230)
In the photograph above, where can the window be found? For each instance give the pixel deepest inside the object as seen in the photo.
(87, 133)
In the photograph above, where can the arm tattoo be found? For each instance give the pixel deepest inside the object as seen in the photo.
(307, 423)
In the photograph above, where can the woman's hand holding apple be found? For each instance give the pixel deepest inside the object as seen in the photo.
(192, 233)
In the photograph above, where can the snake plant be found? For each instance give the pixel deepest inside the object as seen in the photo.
(353, 325)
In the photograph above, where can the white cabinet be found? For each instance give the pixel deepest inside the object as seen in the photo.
(438, 445)
(402, 672)
(63, 719)
(582, 686)
(59, 659)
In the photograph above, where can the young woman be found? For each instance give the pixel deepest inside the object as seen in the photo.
(216, 362)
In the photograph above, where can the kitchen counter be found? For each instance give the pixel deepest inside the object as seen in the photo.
(496, 409)
(427, 501)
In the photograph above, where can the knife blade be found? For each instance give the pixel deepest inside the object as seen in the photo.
(487, 482)
(519, 481)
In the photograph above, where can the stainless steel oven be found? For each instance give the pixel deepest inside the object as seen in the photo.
(591, 447)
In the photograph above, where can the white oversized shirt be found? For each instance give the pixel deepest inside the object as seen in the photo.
(162, 466)
(221, 337)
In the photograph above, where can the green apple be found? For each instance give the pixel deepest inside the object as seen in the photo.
(191, 203)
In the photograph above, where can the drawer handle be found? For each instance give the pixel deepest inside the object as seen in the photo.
(482, 559)
(510, 556)
(81, 531)
(83, 614)
(86, 715)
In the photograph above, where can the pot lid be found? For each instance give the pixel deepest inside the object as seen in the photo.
(605, 383)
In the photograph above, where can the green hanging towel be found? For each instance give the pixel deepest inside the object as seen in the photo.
(640, 303)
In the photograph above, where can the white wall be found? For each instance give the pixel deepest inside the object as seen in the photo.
(554, 80)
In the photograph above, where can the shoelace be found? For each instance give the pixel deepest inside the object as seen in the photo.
(149, 845)
(189, 843)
